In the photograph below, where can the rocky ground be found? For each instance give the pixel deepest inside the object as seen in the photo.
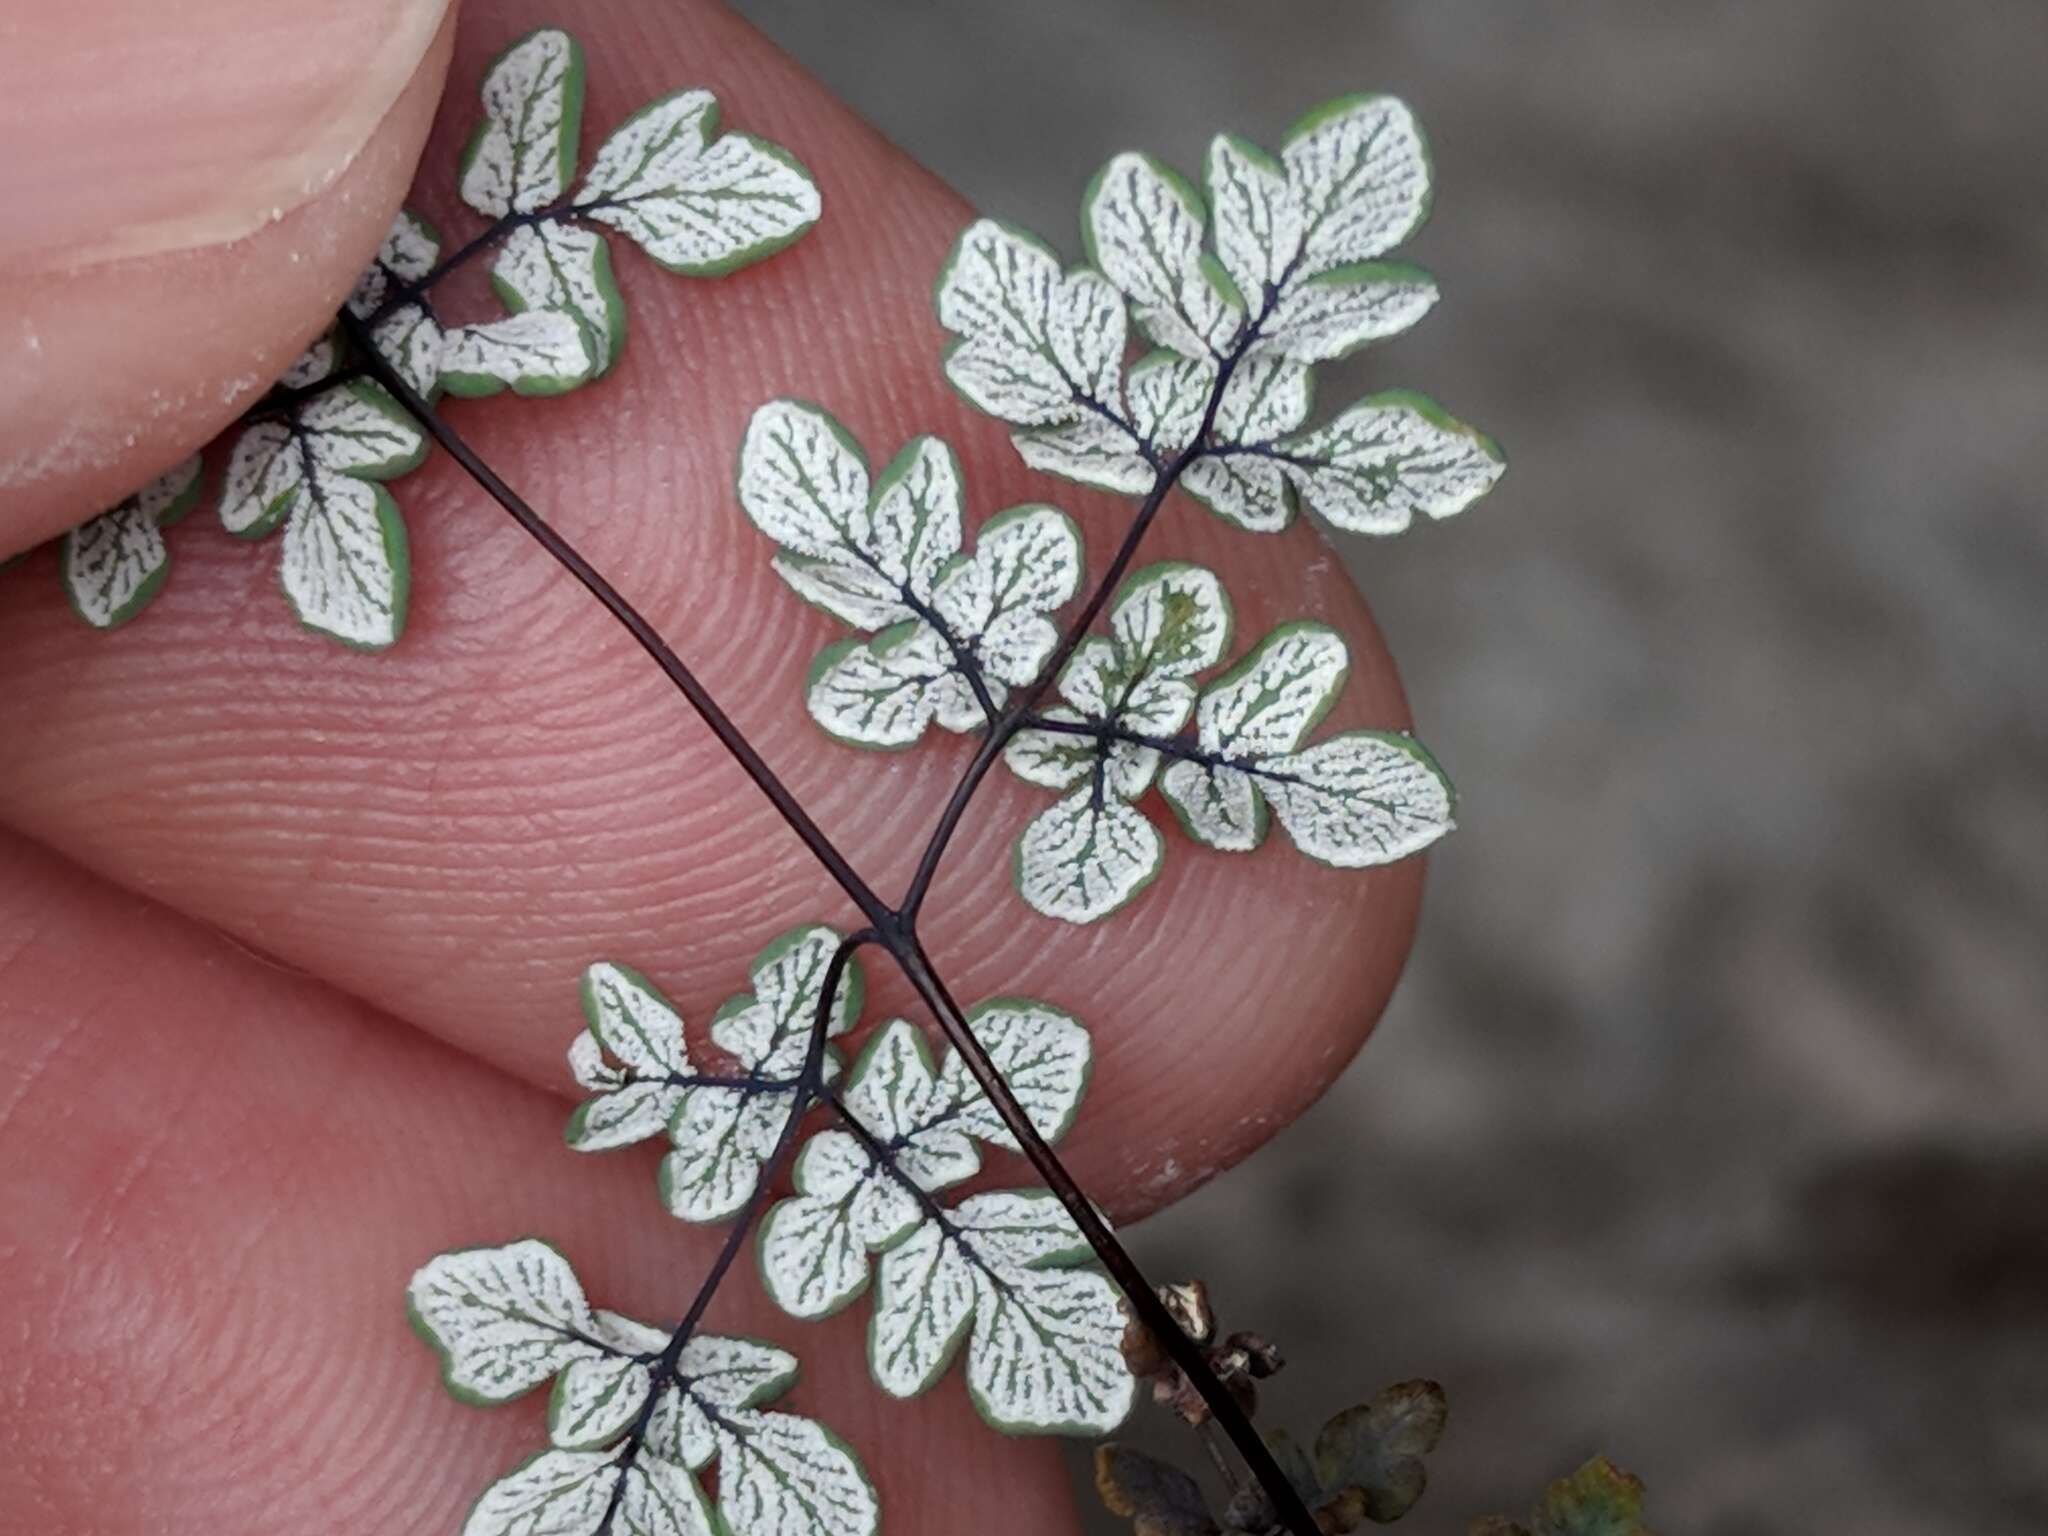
(1711, 1126)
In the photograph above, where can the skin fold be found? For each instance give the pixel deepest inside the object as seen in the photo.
(289, 937)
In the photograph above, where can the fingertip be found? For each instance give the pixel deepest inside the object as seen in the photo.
(1223, 1001)
(136, 327)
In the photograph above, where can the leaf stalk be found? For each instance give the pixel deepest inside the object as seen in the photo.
(893, 927)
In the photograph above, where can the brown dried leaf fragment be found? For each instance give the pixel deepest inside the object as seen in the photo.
(1238, 1361)
(1159, 1499)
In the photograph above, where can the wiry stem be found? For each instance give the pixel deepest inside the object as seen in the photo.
(1183, 748)
(1007, 724)
(284, 400)
(809, 1081)
(894, 928)
(1138, 1292)
(1026, 699)
(404, 291)
(565, 554)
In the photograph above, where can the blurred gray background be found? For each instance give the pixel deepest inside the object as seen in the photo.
(1710, 1127)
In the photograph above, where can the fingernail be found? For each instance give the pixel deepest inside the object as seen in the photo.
(136, 126)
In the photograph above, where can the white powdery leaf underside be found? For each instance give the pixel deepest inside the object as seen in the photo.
(722, 1137)
(1275, 696)
(1172, 620)
(633, 1022)
(411, 340)
(408, 336)
(814, 1246)
(995, 606)
(1087, 855)
(538, 352)
(779, 1475)
(1298, 235)
(408, 254)
(1043, 1053)
(1385, 460)
(869, 554)
(696, 202)
(999, 1271)
(1145, 232)
(1360, 175)
(1043, 1341)
(1027, 562)
(1371, 470)
(1124, 448)
(1092, 852)
(524, 150)
(1357, 799)
(693, 203)
(344, 563)
(571, 1493)
(724, 1121)
(1036, 344)
(554, 265)
(1295, 278)
(886, 555)
(115, 564)
(804, 482)
(505, 1319)
(1334, 313)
